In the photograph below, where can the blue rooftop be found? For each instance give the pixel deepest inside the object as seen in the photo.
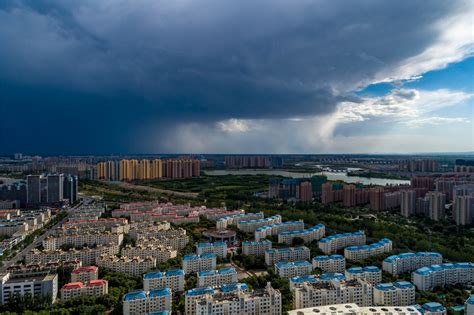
(332, 276)
(159, 313)
(331, 237)
(230, 287)
(160, 292)
(470, 300)
(433, 307)
(138, 295)
(193, 256)
(301, 279)
(200, 291)
(299, 263)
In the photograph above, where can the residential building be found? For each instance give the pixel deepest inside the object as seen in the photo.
(401, 293)
(432, 308)
(91, 288)
(463, 209)
(173, 279)
(322, 293)
(358, 253)
(216, 278)
(251, 225)
(134, 266)
(195, 263)
(426, 278)
(377, 199)
(437, 202)
(217, 248)
(147, 302)
(273, 256)
(330, 264)
(354, 309)
(308, 235)
(370, 274)
(255, 248)
(333, 243)
(293, 269)
(469, 305)
(86, 255)
(159, 252)
(407, 203)
(275, 228)
(406, 262)
(81, 238)
(85, 274)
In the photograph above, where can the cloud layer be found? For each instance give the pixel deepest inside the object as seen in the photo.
(148, 75)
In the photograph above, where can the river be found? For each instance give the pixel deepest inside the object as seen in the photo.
(342, 176)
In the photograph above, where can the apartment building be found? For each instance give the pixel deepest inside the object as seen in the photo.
(217, 248)
(322, 293)
(354, 309)
(426, 278)
(40, 284)
(469, 305)
(147, 302)
(333, 243)
(91, 288)
(358, 253)
(432, 308)
(308, 235)
(401, 293)
(370, 274)
(273, 256)
(85, 274)
(293, 269)
(216, 278)
(406, 262)
(134, 266)
(195, 263)
(255, 248)
(330, 264)
(237, 301)
(276, 228)
(86, 255)
(192, 296)
(250, 226)
(160, 253)
(80, 239)
(173, 279)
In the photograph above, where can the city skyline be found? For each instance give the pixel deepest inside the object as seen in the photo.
(104, 77)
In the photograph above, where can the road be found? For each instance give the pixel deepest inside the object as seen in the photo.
(20, 255)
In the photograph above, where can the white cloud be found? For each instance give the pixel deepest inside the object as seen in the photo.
(236, 125)
(436, 121)
(399, 105)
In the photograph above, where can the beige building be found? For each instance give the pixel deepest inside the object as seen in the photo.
(86, 255)
(135, 266)
(160, 253)
(85, 274)
(91, 288)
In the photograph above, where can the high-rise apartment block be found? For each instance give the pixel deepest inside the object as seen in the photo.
(129, 170)
(437, 202)
(50, 189)
(407, 203)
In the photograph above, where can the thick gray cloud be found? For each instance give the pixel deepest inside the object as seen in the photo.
(130, 66)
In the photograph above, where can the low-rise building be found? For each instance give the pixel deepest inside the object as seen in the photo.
(85, 274)
(147, 302)
(134, 266)
(235, 299)
(308, 235)
(195, 263)
(406, 262)
(354, 309)
(217, 248)
(88, 238)
(216, 278)
(159, 252)
(275, 228)
(432, 308)
(322, 293)
(371, 274)
(393, 294)
(426, 278)
(250, 226)
(255, 248)
(173, 279)
(275, 255)
(333, 243)
(86, 255)
(469, 305)
(92, 288)
(293, 269)
(330, 264)
(358, 253)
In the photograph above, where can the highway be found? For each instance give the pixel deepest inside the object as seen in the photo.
(20, 255)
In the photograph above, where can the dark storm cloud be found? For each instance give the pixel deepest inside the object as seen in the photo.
(103, 69)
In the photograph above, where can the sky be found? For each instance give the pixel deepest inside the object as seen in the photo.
(218, 76)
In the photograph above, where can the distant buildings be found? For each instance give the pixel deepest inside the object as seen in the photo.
(437, 202)
(333, 243)
(407, 203)
(51, 189)
(463, 204)
(252, 161)
(129, 170)
(307, 235)
(423, 165)
(273, 256)
(298, 189)
(358, 253)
